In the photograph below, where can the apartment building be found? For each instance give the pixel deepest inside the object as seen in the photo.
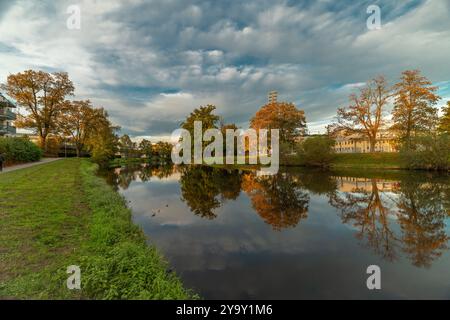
(7, 116)
(358, 143)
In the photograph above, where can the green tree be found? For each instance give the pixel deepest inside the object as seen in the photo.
(162, 151)
(431, 152)
(414, 110)
(223, 129)
(146, 148)
(317, 151)
(206, 116)
(103, 141)
(444, 121)
(126, 146)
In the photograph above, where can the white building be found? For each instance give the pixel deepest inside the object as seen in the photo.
(7, 116)
(359, 143)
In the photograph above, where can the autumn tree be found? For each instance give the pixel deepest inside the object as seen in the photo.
(78, 121)
(43, 95)
(146, 148)
(444, 121)
(365, 114)
(102, 142)
(283, 116)
(414, 110)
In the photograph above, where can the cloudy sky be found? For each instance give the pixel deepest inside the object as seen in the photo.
(149, 63)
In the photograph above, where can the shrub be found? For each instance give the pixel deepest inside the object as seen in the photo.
(19, 150)
(427, 152)
(317, 151)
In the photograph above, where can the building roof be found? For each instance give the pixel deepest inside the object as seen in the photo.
(5, 98)
(382, 134)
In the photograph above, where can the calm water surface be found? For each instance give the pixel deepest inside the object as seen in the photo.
(300, 234)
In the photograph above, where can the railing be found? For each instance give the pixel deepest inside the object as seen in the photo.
(7, 130)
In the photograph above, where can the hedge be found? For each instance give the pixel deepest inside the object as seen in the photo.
(17, 149)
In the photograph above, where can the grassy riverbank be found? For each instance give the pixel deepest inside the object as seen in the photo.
(340, 161)
(61, 214)
(368, 161)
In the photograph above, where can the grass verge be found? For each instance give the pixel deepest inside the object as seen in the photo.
(368, 160)
(60, 214)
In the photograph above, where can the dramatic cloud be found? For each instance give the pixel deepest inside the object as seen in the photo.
(149, 63)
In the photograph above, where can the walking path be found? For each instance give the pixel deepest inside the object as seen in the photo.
(27, 165)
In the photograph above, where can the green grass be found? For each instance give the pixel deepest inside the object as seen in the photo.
(368, 160)
(341, 161)
(60, 214)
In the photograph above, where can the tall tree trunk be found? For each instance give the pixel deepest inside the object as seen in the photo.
(43, 143)
(372, 141)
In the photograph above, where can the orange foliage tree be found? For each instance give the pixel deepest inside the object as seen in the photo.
(43, 95)
(283, 116)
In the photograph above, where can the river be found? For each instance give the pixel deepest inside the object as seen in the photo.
(301, 234)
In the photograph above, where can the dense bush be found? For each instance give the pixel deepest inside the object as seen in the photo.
(19, 150)
(427, 152)
(317, 151)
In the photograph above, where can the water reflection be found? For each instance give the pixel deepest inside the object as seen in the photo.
(122, 177)
(390, 217)
(422, 209)
(204, 189)
(360, 204)
(280, 199)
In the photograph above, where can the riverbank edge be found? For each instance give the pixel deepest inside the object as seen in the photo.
(115, 260)
(117, 242)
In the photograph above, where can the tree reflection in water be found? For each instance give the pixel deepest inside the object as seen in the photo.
(363, 208)
(422, 209)
(279, 199)
(123, 176)
(418, 207)
(402, 216)
(204, 189)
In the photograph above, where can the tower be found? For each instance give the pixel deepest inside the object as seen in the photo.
(273, 95)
